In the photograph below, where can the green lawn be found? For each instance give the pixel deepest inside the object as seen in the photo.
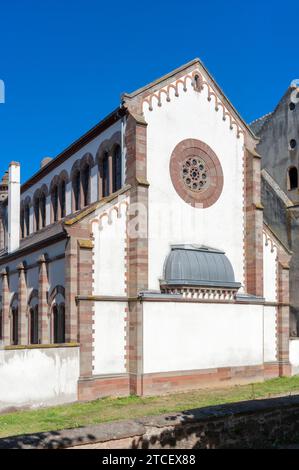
(112, 409)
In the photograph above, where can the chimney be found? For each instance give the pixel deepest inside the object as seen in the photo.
(45, 161)
(3, 210)
(14, 194)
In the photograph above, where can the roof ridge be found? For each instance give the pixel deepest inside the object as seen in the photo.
(211, 81)
(260, 118)
(275, 186)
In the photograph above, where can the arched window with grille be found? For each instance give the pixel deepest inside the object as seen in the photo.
(117, 169)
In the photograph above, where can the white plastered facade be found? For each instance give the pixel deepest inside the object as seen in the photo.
(109, 279)
(171, 220)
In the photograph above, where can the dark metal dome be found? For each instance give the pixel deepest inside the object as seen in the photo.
(188, 265)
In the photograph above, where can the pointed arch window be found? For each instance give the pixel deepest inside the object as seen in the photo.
(34, 325)
(15, 326)
(59, 324)
(292, 178)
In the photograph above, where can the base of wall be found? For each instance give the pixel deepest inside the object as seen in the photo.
(167, 382)
(207, 378)
(90, 388)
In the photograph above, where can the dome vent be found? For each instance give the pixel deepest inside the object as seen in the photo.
(198, 267)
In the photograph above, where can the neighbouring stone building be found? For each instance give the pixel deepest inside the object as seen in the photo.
(278, 132)
(137, 261)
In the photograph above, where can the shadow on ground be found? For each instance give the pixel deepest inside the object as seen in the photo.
(253, 424)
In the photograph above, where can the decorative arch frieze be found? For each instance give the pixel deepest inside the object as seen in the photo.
(107, 214)
(269, 241)
(197, 82)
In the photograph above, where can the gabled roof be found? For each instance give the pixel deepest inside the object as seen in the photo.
(258, 124)
(75, 146)
(120, 111)
(43, 238)
(168, 78)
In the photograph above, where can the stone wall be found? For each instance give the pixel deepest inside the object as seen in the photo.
(253, 424)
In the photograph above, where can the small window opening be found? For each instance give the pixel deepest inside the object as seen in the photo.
(293, 178)
(293, 144)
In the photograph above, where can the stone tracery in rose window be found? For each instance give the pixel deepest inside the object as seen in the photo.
(194, 173)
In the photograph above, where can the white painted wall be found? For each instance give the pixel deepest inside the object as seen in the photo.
(294, 355)
(109, 337)
(171, 220)
(270, 334)
(38, 377)
(269, 269)
(109, 252)
(189, 336)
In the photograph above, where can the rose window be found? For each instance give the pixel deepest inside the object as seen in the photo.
(194, 173)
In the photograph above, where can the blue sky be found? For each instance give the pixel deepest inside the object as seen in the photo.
(65, 63)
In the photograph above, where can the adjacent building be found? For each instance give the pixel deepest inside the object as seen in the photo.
(278, 132)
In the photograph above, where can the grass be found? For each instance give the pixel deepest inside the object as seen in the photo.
(113, 409)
